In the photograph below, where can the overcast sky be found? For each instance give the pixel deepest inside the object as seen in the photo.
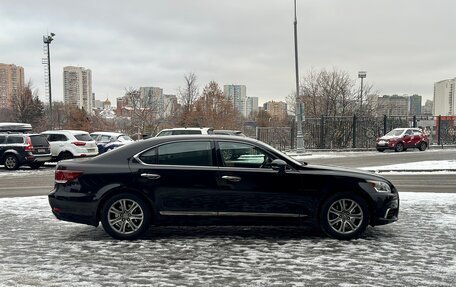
(404, 45)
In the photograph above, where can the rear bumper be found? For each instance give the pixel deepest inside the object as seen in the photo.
(73, 206)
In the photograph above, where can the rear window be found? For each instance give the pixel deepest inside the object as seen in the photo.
(186, 132)
(14, 140)
(39, 141)
(83, 137)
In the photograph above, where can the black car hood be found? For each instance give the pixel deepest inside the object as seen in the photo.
(342, 171)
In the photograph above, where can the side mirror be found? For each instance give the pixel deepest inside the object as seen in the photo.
(279, 165)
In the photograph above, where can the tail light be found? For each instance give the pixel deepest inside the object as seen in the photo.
(79, 143)
(64, 176)
(29, 146)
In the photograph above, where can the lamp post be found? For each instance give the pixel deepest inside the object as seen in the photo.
(299, 109)
(361, 75)
(47, 40)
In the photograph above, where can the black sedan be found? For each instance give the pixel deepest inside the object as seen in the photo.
(190, 180)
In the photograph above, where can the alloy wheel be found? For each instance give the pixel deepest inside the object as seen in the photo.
(345, 216)
(11, 162)
(125, 216)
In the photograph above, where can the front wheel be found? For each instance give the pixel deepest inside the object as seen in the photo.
(125, 216)
(399, 147)
(344, 216)
(422, 146)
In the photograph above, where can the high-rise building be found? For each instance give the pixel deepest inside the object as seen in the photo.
(237, 94)
(77, 87)
(427, 108)
(251, 106)
(393, 105)
(277, 110)
(444, 98)
(153, 99)
(415, 105)
(170, 105)
(11, 83)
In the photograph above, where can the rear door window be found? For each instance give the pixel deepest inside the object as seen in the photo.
(195, 153)
(186, 132)
(2, 139)
(15, 140)
(56, 138)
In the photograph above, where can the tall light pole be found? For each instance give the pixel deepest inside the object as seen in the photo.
(299, 109)
(47, 40)
(361, 75)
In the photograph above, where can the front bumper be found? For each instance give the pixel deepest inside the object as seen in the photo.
(386, 209)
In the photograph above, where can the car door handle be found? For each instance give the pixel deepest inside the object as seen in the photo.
(150, 175)
(231, 178)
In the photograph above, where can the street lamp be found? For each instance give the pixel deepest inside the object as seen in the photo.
(299, 109)
(361, 75)
(47, 40)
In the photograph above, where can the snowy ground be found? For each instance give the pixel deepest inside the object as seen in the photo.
(418, 250)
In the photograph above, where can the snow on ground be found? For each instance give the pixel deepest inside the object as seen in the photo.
(436, 165)
(418, 250)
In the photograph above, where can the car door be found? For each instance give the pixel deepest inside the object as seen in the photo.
(252, 192)
(180, 177)
(408, 138)
(57, 143)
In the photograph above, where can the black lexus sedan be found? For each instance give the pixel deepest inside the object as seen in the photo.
(189, 180)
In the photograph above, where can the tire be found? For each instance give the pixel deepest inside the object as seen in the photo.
(344, 216)
(11, 162)
(125, 216)
(36, 165)
(399, 147)
(65, 155)
(422, 146)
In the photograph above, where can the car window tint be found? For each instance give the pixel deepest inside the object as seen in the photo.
(186, 153)
(149, 157)
(56, 138)
(14, 140)
(83, 137)
(105, 138)
(2, 139)
(164, 133)
(409, 132)
(186, 132)
(39, 140)
(244, 155)
(94, 136)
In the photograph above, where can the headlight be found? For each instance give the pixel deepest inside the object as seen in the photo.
(380, 186)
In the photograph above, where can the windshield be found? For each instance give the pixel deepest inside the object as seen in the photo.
(395, 133)
(124, 138)
(286, 156)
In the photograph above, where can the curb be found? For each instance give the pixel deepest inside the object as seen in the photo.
(410, 170)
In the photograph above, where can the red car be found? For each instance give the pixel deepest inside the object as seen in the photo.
(402, 139)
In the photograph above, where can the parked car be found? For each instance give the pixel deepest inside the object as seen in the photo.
(23, 149)
(401, 139)
(185, 131)
(229, 133)
(186, 180)
(108, 141)
(67, 144)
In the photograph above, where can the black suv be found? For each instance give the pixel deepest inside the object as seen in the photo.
(24, 149)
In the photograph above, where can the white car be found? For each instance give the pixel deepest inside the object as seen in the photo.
(67, 144)
(185, 131)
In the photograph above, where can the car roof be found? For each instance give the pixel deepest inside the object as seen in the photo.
(66, 131)
(107, 133)
(190, 128)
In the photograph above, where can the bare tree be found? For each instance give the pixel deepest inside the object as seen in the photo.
(188, 96)
(27, 107)
(215, 110)
(145, 111)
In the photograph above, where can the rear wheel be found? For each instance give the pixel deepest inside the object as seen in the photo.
(423, 146)
(36, 165)
(399, 147)
(344, 216)
(11, 162)
(125, 216)
(65, 155)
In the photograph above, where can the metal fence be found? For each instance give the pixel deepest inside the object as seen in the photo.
(356, 132)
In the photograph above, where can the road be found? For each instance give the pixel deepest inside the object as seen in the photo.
(26, 182)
